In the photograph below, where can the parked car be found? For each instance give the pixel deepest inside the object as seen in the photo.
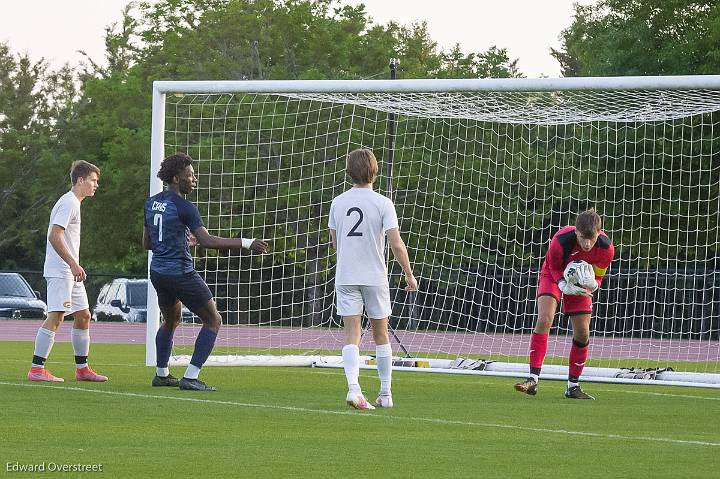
(18, 300)
(126, 300)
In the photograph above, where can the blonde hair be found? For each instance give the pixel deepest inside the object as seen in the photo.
(588, 223)
(82, 169)
(362, 166)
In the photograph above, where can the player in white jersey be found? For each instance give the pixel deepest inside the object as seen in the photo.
(65, 278)
(359, 220)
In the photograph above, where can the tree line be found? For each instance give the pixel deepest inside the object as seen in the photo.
(101, 112)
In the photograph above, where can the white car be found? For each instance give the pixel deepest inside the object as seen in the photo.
(126, 300)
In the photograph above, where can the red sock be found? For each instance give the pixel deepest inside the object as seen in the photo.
(538, 349)
(577, 360)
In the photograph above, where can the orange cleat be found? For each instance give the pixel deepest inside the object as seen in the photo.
(87, 374)
(42, 374)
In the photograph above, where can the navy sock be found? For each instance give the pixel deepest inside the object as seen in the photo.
(163, 346)
(203, 346)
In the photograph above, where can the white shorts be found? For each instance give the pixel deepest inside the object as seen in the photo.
(352, 298)
(64, 294)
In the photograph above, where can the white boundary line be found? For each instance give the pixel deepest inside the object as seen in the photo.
(427, 420)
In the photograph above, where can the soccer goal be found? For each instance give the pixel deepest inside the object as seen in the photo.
(482, 173)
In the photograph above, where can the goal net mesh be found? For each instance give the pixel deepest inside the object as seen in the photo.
(480, 181)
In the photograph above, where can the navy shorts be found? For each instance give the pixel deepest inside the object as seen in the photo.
(190, 289)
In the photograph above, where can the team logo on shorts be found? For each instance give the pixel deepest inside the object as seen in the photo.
(66, 304)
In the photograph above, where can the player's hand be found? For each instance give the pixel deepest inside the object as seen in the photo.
(192, 240)
(259, 246)
(412, 284)
(573, 289)
(78, 273)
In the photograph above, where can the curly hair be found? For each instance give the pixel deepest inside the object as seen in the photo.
(173, 165)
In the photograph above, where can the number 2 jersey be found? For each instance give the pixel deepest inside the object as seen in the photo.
(169, 218)
(360, 218)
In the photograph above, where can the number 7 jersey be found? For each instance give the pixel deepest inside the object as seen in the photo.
(360, 218)
(169, 218)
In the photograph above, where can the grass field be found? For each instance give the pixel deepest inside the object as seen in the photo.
(293, 422)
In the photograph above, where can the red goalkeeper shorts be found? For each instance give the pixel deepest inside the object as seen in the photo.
(571, 305)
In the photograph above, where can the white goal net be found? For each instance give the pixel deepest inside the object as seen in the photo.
(482, 173)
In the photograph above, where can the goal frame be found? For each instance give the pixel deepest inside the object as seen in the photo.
(162, 88)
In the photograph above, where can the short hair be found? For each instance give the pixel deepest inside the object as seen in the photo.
(588, 223)
(173, 165)
(82, 169)
(362, 166)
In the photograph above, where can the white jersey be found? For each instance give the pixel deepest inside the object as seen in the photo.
(360, 218)
(65, 213)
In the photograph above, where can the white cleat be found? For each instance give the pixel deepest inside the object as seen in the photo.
(384, 401)
(358, 401)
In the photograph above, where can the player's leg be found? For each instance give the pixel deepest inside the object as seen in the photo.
(383, 358)
(547, 303)
(578, 355)
(378, 307)
(59, 296)
(171, 313)
(195, 294)
(80, 335)
(171, 310)
(350, 307)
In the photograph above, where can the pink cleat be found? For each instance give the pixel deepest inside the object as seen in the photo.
(42, 374)
(87, 374)
(358, 401)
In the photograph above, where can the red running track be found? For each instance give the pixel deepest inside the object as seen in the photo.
(470, 344)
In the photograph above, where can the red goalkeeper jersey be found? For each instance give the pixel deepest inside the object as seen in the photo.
(564, 249)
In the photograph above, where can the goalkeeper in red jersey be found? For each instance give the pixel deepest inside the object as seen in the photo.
(587, 242)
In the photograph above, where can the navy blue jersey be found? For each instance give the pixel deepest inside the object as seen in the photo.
(169, 218)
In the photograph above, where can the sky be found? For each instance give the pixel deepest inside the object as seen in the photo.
(57, 29)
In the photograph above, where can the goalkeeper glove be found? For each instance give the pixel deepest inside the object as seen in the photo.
(570, 289)
(586, 277)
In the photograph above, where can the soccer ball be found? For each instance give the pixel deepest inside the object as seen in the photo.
(574, 271)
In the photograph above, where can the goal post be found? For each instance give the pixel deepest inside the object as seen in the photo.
(485, 171)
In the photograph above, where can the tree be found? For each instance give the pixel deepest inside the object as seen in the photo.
(642, 37)
(35, 105)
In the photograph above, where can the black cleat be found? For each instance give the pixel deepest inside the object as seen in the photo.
(529, 386)
(168, 380)
(576, 393)
(195, 385)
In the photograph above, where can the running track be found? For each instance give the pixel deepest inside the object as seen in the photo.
(427, 342)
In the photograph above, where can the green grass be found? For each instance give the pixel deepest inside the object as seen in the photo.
(293, 422)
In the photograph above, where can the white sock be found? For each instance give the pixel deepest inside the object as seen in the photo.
(384, 367)
(536, 377)
(351, 364)
(192, 372)
(572, 385)
(81, 343)
(44, 341)
(162, 372)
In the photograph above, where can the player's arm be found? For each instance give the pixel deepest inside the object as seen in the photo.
(146, 239)
(555, 259)
(556, 262)
(333, 237)
(397, 245)
(601, 267)
(206, 240)
(58, 243)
